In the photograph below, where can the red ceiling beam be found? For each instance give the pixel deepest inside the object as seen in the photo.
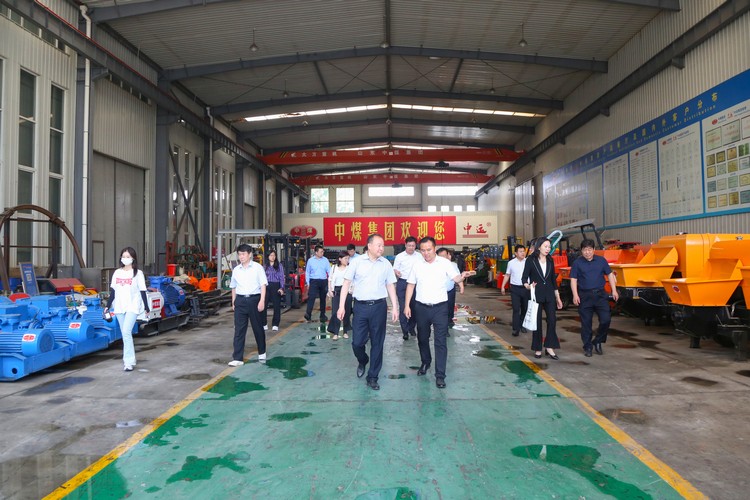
(390, 178)
(401, 155)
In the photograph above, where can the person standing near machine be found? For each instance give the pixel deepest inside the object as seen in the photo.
(519, 296)
(316, 279)
(428, 277)
(335, 282)
(372, 277)
(248, 302)
(127, 299)
(587, 284)
(539, 274)
(274, 291)
(402, 265)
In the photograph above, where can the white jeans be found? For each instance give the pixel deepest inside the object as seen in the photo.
(127, 322)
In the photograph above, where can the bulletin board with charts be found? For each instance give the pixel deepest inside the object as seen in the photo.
(690, 162)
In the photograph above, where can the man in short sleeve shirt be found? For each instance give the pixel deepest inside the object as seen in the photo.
(248, 301)
(587, 284)
(402, 265)
(371, 276)
(428, 278)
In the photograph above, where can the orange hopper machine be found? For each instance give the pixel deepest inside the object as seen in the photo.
(714, 302)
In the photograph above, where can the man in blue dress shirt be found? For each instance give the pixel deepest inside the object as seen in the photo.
(316, 279)
(587, 283)
(372, 277)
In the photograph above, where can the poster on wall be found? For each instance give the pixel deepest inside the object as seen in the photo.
(644, 184)
(726, 151)
(689, 162)
(680, 176)
(595, 190)
(616, 198)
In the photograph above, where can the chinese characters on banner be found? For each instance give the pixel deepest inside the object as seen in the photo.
(340, 231)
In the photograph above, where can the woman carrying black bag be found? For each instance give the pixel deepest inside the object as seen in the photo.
(539, 274)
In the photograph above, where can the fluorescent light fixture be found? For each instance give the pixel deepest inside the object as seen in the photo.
(370, 107)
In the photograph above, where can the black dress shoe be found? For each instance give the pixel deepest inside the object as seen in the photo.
(553, 356)
(423, 369)
(587, 353)
(515, 333)
(524, 330)
(537, 356)
(440, 382)
(307, 317)
(598, 348)
(405, 336)
(373, 384)
(447, 334)
(360, 370)
(323, 319)
(413, 333)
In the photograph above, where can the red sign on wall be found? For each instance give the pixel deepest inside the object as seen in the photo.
(340, 231)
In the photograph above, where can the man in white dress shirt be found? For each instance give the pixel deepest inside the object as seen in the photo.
(428, 278)
(248, 301)
(519, 296)
(402, 265)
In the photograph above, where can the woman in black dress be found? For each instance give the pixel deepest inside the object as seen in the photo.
(539, 274)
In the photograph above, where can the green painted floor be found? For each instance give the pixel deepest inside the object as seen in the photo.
(304, 426)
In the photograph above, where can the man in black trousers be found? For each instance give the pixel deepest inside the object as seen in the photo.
(587, 283)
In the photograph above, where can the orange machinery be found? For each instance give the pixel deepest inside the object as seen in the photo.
(714, 302)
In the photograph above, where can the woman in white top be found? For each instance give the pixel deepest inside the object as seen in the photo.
(335, 281)
(127, 299)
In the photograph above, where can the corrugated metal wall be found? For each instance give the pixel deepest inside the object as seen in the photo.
(724, 55)
(123, 126)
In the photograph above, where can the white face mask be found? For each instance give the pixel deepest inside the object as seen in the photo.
(126, 261)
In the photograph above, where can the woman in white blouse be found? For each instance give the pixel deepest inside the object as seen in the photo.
(335, 280)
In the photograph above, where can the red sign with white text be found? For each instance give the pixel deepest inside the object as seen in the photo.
(340, 231)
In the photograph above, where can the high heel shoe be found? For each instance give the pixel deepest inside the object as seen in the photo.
(537, 355)
(552, 355)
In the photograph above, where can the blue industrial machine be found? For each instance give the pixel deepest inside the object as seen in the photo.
(26, 346)
(174, 296)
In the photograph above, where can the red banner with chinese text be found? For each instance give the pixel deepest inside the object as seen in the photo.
(340, 231)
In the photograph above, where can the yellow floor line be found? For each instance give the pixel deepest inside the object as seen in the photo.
(82, 477)
(680, 484)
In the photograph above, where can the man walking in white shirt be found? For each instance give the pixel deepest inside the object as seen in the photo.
(428, 278)
(519, 296)
(402, 266)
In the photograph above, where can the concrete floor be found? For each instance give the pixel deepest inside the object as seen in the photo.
(686, 407)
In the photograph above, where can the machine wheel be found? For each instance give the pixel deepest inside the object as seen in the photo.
(295, 300)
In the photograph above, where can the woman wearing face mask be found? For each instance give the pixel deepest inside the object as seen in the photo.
(127, 299)
(539, 275)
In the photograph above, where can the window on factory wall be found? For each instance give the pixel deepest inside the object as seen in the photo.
(432, 208)
(386, 191)
(451, 190)
(26, 161)
(458, 208)
(185, 196)
(57, 105)
(319, 200)
(223, 208)
(471, 208)
(345, 200)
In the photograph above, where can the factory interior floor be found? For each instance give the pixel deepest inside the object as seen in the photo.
(651, 418)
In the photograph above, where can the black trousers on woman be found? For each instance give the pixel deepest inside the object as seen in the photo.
(550, 340)
(273, 298)
(334, 323)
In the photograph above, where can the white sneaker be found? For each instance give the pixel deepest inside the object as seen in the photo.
(262, 357)
(127, 368)
(275, 328)
(236, 362)
(265, 327)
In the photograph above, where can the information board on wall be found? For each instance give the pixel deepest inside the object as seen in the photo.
(690, 162)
